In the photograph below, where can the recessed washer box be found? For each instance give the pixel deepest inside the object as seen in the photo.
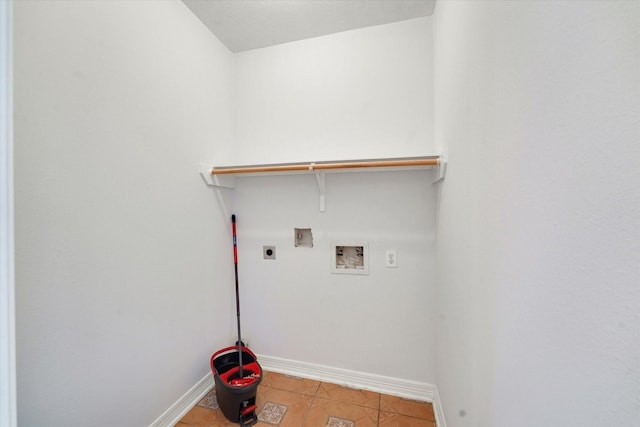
(349, 257)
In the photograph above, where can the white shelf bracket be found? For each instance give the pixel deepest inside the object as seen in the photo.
(218, 183)
(441, 170)
(215, 181)
(320, 178)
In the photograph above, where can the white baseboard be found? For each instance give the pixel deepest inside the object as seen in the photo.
(438, 410)
(171, 416)
(393, 386)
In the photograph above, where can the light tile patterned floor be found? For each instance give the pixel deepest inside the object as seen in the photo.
(287, 401)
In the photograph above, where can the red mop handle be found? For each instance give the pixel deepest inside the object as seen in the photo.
(235, 246)
(235, 267)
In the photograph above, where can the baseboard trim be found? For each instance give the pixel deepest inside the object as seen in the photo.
(438, 410)
(179, 409)
(388, 385)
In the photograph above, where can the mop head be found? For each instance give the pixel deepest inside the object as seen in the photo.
(249, 377)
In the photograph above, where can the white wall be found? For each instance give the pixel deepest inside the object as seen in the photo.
(7, 265)
(537, 104)
(358, 94)
(295, 308)
(123, 270)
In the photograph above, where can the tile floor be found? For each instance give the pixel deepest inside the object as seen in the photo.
(287, 401)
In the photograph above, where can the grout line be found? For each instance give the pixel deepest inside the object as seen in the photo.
(313, 399)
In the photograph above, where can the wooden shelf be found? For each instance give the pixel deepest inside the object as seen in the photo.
(223, 176)
(327, 166)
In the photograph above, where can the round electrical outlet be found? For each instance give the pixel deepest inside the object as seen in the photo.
(269, 252)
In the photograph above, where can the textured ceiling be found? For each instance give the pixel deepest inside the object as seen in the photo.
(252, 24)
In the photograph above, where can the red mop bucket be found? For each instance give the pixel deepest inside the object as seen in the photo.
(236, 394)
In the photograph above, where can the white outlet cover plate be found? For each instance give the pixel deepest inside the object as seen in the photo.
(391, 259)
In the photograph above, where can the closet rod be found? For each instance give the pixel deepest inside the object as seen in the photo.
(311, 167)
